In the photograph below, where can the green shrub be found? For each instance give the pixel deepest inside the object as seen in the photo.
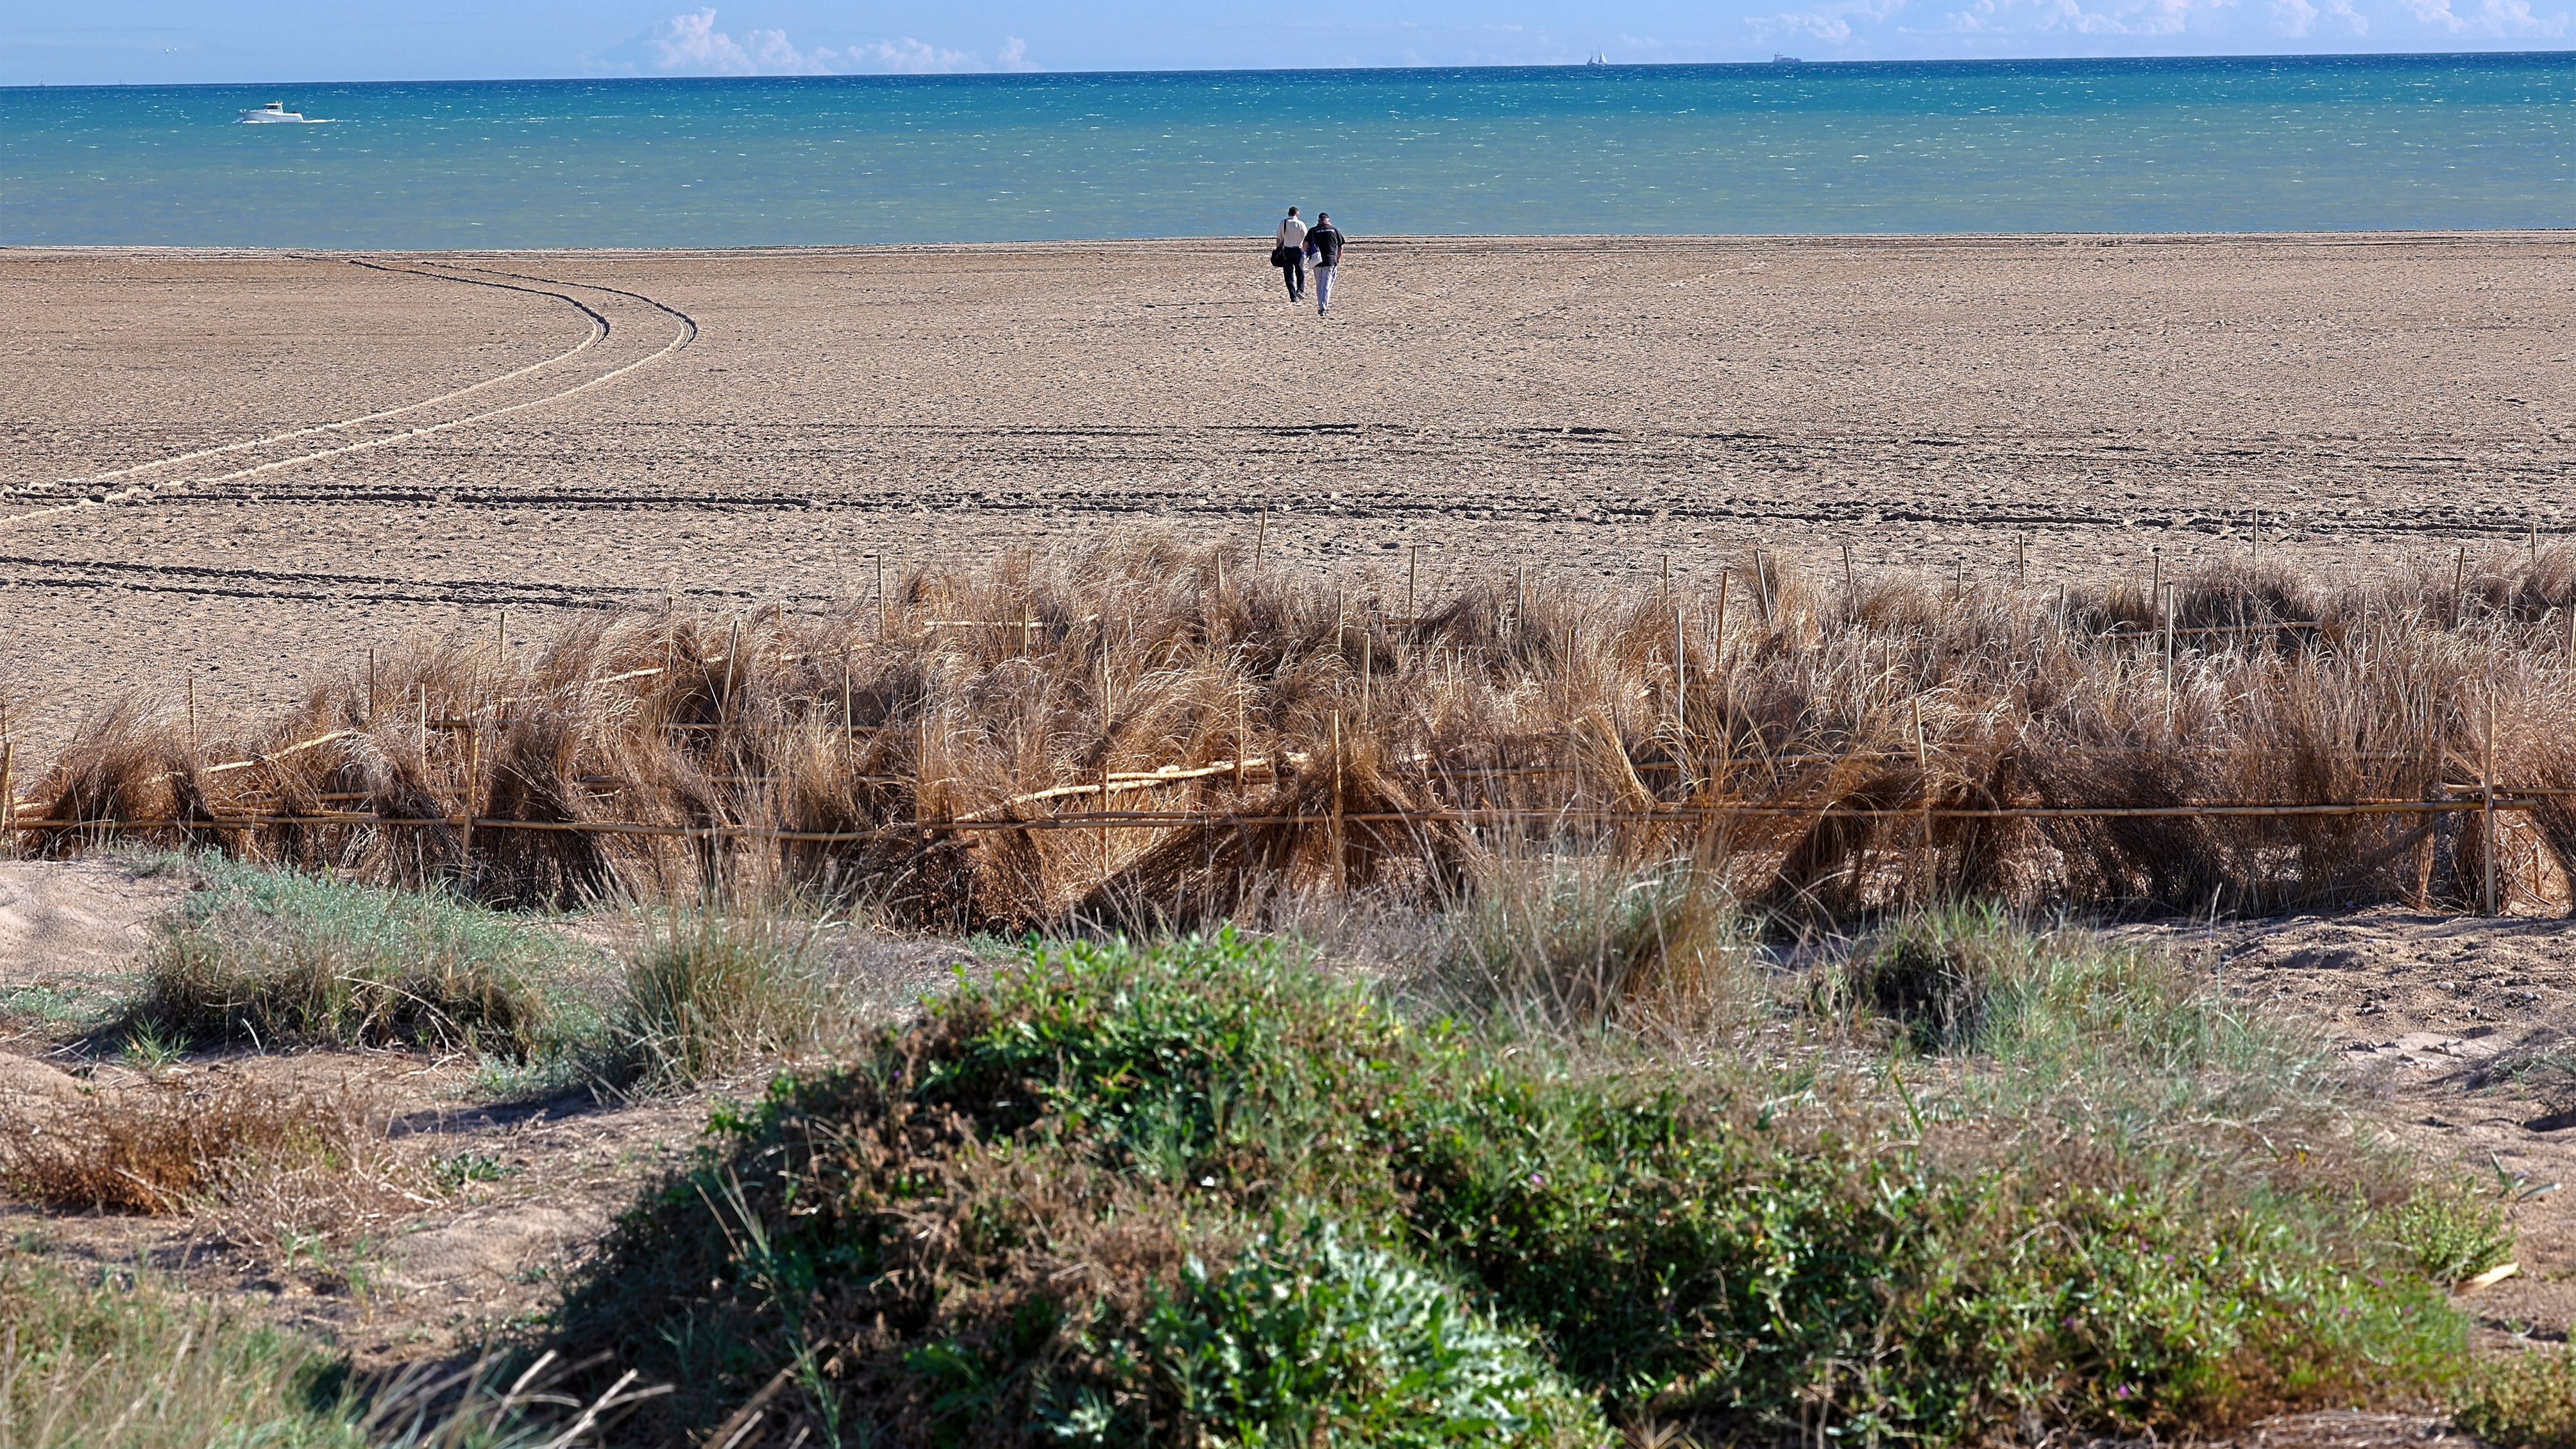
(1305, 1338)
(272, 955)
(2524, 1401)
(989, 1214)
(2453, 1234)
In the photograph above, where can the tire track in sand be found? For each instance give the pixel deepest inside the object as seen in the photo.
(601, 329)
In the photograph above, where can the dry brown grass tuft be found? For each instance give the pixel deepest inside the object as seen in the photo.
(256, 1162)
(942, 752)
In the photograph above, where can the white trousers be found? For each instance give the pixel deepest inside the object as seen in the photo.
(1324, 289)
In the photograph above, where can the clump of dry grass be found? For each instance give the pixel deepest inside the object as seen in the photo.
(253, 1160)
(1269, 737)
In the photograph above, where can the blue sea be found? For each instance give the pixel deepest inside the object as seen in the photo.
(2263, 144)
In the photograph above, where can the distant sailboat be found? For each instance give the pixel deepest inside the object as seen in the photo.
(1599, 58)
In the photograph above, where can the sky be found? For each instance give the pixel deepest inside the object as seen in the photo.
(183, 41)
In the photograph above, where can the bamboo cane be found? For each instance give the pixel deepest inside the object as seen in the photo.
(2169, 659)
(1337, 800)
(2486, 787)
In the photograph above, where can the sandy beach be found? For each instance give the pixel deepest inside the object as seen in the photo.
(247, 467)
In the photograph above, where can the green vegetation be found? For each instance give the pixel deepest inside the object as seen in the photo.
(272, 955)
(119, 1360)
(1151, 1194)
(2527, 1401)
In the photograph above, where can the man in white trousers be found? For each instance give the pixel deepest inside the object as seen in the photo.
(1324, 244)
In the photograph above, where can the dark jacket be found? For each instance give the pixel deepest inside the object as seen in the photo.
(1326, 243)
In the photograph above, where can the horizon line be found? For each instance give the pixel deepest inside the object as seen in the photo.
(1778, 62)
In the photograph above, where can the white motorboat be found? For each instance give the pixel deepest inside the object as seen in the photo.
(275, 112)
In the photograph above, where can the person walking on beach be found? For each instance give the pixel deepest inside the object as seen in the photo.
(1291, 255)
(1324, 244)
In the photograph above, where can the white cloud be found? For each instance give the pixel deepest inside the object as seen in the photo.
(2297, 17)
(2069, 17)
(2499, 19)
(690, 44)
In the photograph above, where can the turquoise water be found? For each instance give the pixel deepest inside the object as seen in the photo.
(2327, 143)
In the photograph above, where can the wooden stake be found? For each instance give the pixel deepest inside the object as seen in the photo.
(1260, 539)
(2531, 539)
(501, 642)
(1668, 571)
(371, 684)
(849, 725)
(1681, 692)
(8, 796)
(2021, 561)
(1923, 766)
(881, 598)
(2169, 658)
(2459, 584)
(192, 716)
(1241, 742)
(1717, 631)
(1337, 800)
(2155, 578)
(1368, 666)
(733, 651)
(1412, 577)
(1959, 584)
(2486, 807)
(1851, 586)
(1220, 575)
(465, 831)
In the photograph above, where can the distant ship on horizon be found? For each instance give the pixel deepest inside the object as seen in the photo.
(1779, 59)
(1599, 57)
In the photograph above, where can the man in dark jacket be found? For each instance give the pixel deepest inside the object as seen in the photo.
(1324, 244)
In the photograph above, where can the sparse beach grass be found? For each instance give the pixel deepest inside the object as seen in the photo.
(276, 956)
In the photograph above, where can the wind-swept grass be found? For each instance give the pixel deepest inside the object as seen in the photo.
(1807, 741)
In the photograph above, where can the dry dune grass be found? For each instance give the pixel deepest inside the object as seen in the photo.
(940, 748)
(251, 1161)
